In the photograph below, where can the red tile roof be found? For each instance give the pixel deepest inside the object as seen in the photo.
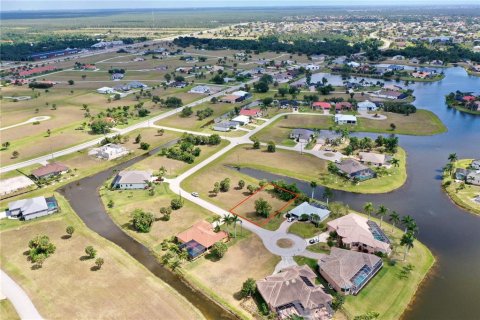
(51, 168)
(249, 112)
(202, 232)
(469, 98)
(323, 105)
(36, 70)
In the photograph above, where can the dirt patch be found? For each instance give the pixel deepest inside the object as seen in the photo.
(284, 243)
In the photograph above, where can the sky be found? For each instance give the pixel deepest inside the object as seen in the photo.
(9, 5)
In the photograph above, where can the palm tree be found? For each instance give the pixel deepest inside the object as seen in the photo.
(227, 220)
(368, 209)
(315, 219)
(449, 168)
(394, 219)
(313, 185)
(412, 227)
(407, 241)
(234, 219)
(327, 193)
(395, 162)
(407, 221)
(452, 157)
(382, 212)
(216, 220)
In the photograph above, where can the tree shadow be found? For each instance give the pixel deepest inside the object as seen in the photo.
(212, 257)
(94, 268)
(238, 296)
(246, 193)
(129, 226)
(66, 236)
(36, 267)
(25, 253)
(84, 258)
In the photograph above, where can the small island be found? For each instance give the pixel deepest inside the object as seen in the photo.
(464, 102)
(461, 181)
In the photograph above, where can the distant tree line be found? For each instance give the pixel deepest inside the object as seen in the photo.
(22, 51)
(402, 108)
(452, 53)
(333, 47)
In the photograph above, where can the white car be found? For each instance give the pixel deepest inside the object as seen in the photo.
(195, 194)
(291, 219)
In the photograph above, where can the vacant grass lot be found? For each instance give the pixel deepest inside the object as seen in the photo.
(462, 197)
(176, 167)
(281, 162)
(126, 201)
(422, 122)
(222, 279)
(388, 293)
(102, 293)
(304, 229)
(7, 311)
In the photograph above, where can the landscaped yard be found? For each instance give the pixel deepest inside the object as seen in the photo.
(222, 279)
(392, 289)
(126, 201)
(394, 179)
(117, 290)
(462, 195)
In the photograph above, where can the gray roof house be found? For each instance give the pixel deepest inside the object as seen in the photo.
(349, 271)
(473, 177)
(461, 173)
(353, 169)
(302, 135)
(293, 292)
(475, 164)
(310, 210)
(32, 208)
(225, 126)
(366, 106)
(134, 179)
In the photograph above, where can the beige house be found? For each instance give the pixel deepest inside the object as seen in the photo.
(360, 234)
(348, 271)
(371, 158)
(293, 292)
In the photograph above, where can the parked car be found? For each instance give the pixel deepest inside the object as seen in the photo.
(195, 194)
(291, 219)
(314, 240)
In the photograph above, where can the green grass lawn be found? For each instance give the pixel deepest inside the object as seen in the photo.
(319, 247)
(395, 178)
(7, 311)
(304, 229)
(387, 293)
(462, 197)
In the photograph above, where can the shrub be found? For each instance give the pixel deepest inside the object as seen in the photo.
(219, 249)
(176, 204)
(91, 252)
(40, 248)
(144, 146)
(142, 221)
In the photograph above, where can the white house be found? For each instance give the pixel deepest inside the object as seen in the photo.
(32, 208)
(200, 89)
(345, 119)
(225, 126)
(312, 67)
(109, 151)
(105, 90)
(366, 106)
(307, 209)
(242, 120)
(353, 64)
(132, 179)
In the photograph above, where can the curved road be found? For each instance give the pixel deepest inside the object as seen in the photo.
(20, 300)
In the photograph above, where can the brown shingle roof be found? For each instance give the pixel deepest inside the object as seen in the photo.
(202, 232)
(293, 284)
(51, 168)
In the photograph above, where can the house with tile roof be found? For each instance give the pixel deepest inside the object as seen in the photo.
(199, 238)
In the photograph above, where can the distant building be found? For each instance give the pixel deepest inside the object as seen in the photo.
(105, 90)
(109, 151)
(366, 106)
(348, 271)
(106, 44)
(345, 119)
(200, 89)
(321, 105)
(225, 126)
(302, 135)
(254, 113)
(134, 179)
(242, 120)
(32, 208)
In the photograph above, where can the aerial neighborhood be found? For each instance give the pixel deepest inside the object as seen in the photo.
(294, 166)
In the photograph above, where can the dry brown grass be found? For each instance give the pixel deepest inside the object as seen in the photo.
(248, 258)
(7, 311)
(66, 287)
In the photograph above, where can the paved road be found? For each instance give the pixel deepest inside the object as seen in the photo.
(20, 300)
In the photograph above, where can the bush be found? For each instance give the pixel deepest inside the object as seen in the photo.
(144, 146)
(91, 252)
(176, 204)
(40, 248)
(256, 144)
(225, 185)
(248, 288)
(271, 146)
(142, 221)
(70, 230)
(262, 208)
(219, 249)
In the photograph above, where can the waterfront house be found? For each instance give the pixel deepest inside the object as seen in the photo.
(473, 177)
(308, 209)
(351, 169)
(475, 164)
(132, 179)
(49, 170)
(360, 234)
(32, 208)
(371, 158)
(348, 271)
(345, 119)
(302, 135)
(199, 238)
(293, 292)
